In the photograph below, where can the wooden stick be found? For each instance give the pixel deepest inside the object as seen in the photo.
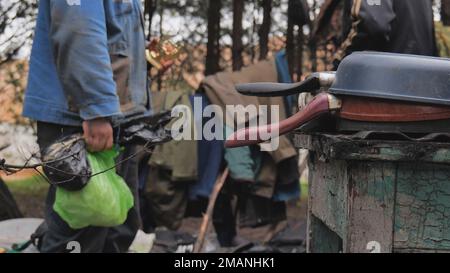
(273, 229)
(209, 211)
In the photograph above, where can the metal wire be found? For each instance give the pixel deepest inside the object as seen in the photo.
(13, 169)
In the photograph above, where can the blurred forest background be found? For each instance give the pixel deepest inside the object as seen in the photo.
(217, 35)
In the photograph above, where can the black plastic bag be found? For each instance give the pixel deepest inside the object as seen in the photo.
(145, 131)
(66, 163)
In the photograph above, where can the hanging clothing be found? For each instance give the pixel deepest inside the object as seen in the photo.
(288, 186)
(172, 170)
(209, 158)
(180, 157)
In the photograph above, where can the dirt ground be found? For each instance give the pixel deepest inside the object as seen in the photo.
(296, 214)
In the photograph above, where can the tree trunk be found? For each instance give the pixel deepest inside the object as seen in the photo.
(299, 58)
(213, 49)
(161, 34)
(149, 9)
(264, 30)
(254, 30)
(238, 47)
(445, 12)
(290, 39)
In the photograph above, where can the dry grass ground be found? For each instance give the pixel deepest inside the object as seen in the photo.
(30, 191)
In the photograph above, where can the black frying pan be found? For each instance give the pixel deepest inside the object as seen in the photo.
(398, 88)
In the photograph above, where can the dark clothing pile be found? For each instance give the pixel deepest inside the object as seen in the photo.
(397, 26)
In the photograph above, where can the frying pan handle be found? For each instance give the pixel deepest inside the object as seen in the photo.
(322, 104)
(266, 89)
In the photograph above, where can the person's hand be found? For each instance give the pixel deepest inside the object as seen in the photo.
(98, 134)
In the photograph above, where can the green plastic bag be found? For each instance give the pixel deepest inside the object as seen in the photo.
(103, 202)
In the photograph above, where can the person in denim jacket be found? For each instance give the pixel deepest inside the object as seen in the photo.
(87, 71)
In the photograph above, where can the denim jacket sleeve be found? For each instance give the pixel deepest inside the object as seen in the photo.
(78, 35)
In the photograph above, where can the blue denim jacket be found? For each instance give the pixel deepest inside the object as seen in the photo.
(87, 61)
